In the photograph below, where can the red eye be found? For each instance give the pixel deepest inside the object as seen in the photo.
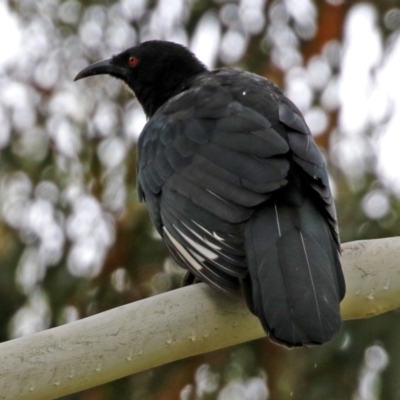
(133, 61)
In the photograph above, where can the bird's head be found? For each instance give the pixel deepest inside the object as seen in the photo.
(155, 70)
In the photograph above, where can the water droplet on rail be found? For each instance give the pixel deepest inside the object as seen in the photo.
(129, 357)
(32, 388)
(387, 284)
(98, 368)
(57, 383)
(371, 296)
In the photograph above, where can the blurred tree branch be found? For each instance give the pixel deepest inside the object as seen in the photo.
(172, 326)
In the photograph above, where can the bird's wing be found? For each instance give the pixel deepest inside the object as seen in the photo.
(205, 162)
(305, 153)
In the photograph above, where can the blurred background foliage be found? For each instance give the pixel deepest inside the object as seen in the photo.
(74, 241)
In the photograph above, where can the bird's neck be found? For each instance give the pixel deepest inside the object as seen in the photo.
(151, 96)
(156, 92)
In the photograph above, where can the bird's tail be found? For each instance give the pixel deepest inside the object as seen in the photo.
(295, 281)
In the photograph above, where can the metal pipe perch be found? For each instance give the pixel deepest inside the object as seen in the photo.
(171, 326)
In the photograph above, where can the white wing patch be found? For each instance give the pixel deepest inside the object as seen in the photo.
(183, 252)
(205, 252)
(215, 236)
(218, 237)
(208, 254)
(212, 245)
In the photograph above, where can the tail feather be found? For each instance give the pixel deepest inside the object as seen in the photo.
(296, 279)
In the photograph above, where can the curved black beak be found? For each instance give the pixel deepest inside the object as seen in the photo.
(101, 68)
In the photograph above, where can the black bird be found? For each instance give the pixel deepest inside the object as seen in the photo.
(236, 187)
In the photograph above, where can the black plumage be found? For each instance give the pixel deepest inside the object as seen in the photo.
(237, 188)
